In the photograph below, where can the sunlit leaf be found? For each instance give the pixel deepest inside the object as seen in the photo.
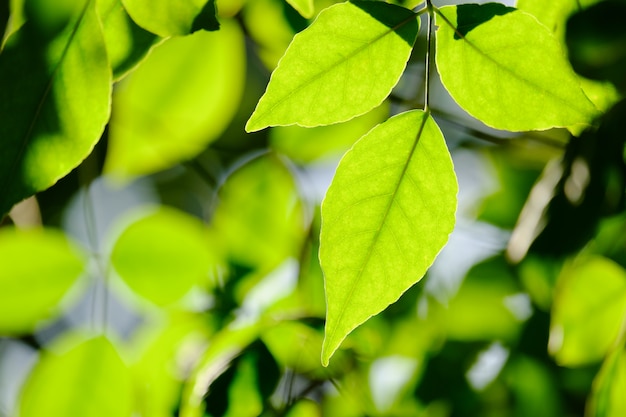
(38, 268)
(169, 18)
(309, 144)
(508, 82)
(305, 408)
(126, 42)
(386, 216)
(608, 398)
(554, 14)
(87, 379)
(342, 66)
(163, 255)
(305, 7)
(259, 217)
(588, 311)
(56, 84)
(177, 101)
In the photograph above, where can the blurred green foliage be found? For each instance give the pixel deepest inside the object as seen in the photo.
(206, 298)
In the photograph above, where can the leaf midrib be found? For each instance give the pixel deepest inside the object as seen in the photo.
(23, 143)
(370, 250)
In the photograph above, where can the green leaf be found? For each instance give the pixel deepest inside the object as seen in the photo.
(342, 66)
(38, 268)
(126, 42)
(588, 311)
(163, 255)
(259, 218)
(87, 379)
(385, 217)
(228, 344)
(305, 7)
(56, 85)
(176, 102)
(170, 18)
(608, 398)
(507, 70)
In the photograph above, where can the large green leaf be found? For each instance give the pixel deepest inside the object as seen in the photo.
(87, 379)
(386, 216)
(342, 66)
(509, 71)
(163, 255)
(171, 18)
(38, 268)
(126, 42)
(56, 83)
(588, 311)
(177, 101)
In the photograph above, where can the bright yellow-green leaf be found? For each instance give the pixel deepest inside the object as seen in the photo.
(608, 398)
(342, 66)
(163, 255)
(87, 380)
(554, 15)
(177, 101)
(305, 7)
(303, 144)
(305, 408)
(170, 18)
(56, 86)
(588, 311)
(386, 216)
(38, 268)
(259, 217)
(506, 69)
(126, 42)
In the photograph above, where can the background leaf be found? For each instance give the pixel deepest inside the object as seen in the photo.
(588, 311)
(385, 217)
(343, 65)
(176, 102)
(501, 79)
(167, 18)
(56, 85)
(90, 380)
(305, 7)
(163, 255)
(608, 398)
(259, 218)
(126, 42)
(38, 268)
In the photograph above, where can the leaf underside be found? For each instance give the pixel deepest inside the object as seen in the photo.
(385, 217)
(507, 82)
(340, 67)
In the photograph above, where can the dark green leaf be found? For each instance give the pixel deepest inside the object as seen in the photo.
(56, 85)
